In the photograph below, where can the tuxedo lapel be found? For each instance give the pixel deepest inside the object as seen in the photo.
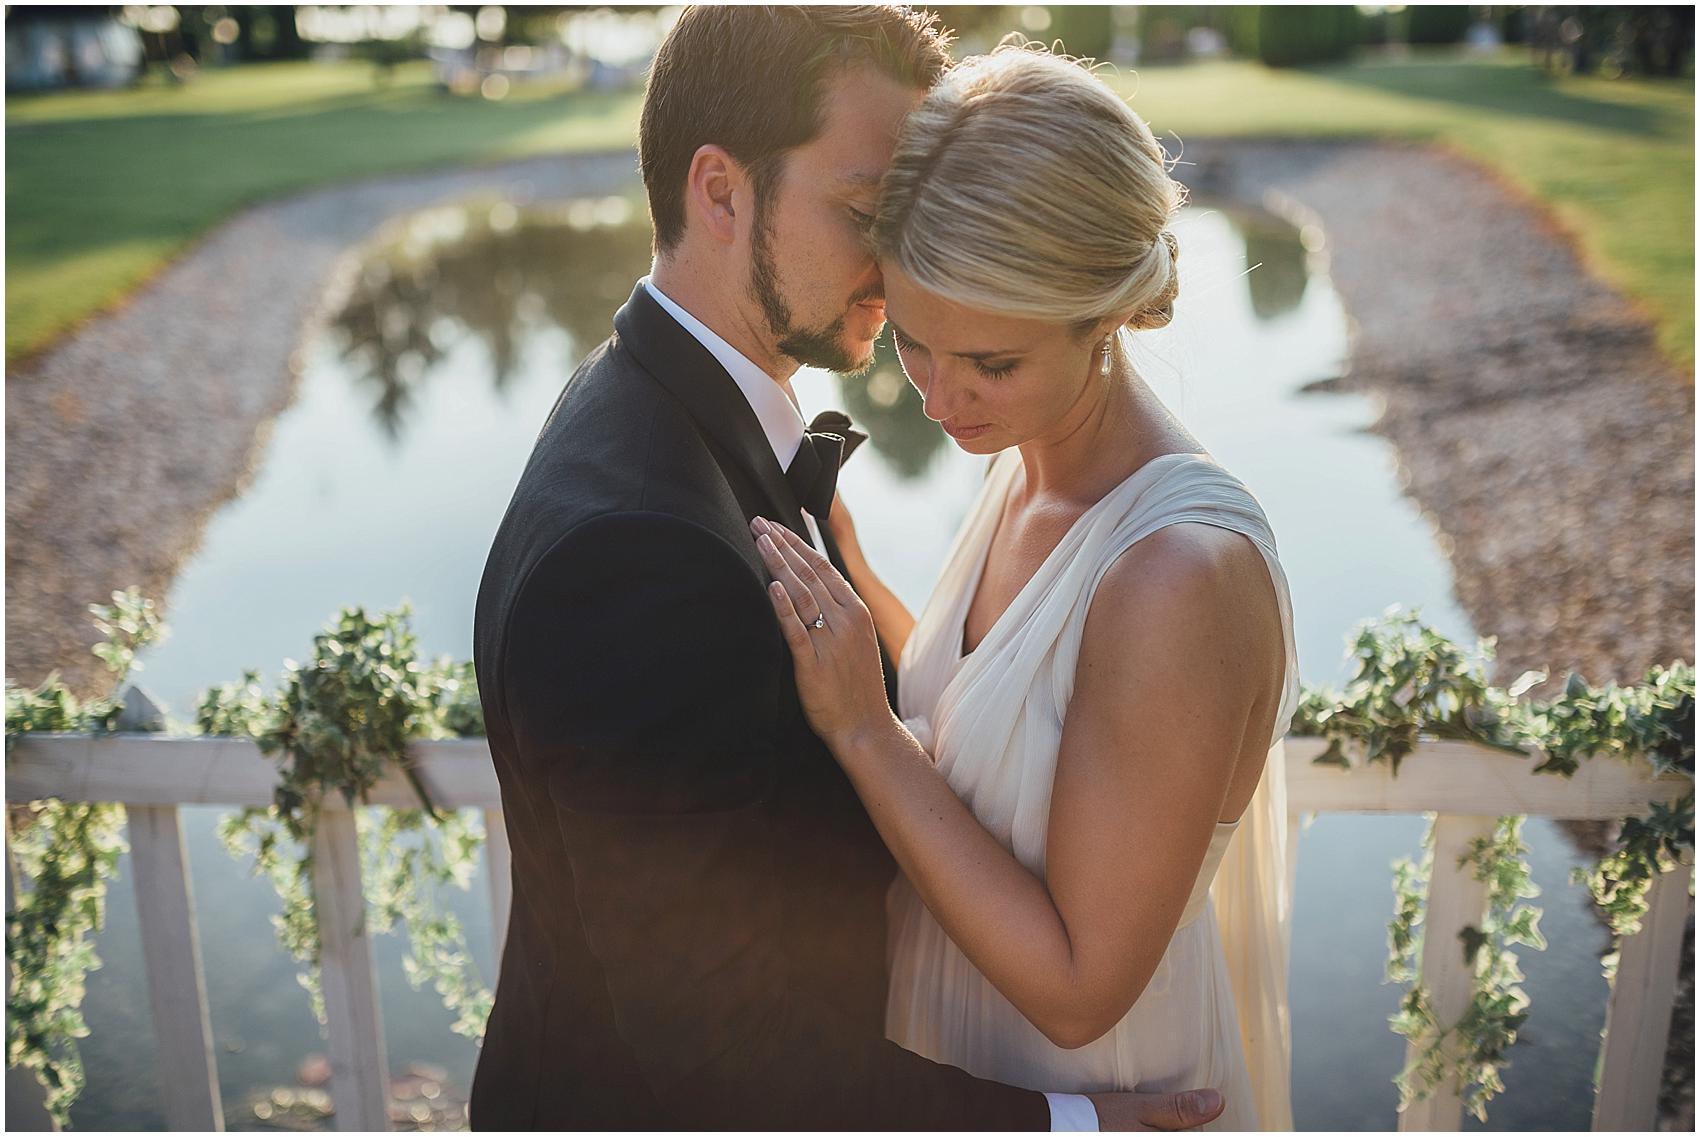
(832, 553)
(693, 376)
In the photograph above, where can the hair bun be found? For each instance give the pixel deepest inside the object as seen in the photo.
(1160, 310)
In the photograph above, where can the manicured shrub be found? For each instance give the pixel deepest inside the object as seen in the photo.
(1306, 33)
(1437, 23)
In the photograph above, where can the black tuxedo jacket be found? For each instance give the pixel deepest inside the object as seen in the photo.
(697, 938)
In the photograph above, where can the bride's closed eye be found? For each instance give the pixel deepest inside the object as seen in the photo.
(904, 343)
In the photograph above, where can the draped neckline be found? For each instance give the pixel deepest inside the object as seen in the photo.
(960, 621)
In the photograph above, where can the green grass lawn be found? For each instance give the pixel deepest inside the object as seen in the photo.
(105, 187)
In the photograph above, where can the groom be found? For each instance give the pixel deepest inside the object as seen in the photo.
(697, 936)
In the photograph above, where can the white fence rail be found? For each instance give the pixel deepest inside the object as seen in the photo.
(153, 776)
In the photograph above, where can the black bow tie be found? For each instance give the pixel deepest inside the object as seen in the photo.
(813, 473)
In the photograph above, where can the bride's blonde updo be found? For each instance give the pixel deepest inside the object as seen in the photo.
(1023, 185)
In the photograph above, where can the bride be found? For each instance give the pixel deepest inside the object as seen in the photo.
(1084, 788)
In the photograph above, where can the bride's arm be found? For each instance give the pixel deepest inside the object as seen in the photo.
(1171, 662)
(892, 619)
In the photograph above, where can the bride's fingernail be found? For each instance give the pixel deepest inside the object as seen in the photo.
(759, 524)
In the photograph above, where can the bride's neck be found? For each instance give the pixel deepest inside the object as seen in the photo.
(1103, 439)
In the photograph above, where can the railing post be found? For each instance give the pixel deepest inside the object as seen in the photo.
(1639, 1012)
(359, 1066)
(498, 862)
(1455, 899)
(171, 946)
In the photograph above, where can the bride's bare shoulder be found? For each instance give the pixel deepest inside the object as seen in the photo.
(1184, 557)
(1189, 583)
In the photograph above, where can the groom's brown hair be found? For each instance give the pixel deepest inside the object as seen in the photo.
(749, 79)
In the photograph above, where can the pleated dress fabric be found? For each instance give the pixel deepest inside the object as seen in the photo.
(1215, 1012)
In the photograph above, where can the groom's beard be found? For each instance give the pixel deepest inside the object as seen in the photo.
(816, 347)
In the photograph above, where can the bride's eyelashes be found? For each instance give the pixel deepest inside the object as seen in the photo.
(904, 343)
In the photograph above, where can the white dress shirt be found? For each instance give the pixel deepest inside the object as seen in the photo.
(781, 418)
(774, 403)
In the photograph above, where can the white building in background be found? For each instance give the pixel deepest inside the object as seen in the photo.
(70, 47)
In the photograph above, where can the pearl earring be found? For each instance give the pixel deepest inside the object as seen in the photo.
(1104, 361)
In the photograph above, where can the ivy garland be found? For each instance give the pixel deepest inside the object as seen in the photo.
(336, 725)
(339, 722)
(404, 883)
(1474, 1048)
(1412, 683)
(67, 851)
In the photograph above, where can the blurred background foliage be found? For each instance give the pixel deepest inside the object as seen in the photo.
(134, 129)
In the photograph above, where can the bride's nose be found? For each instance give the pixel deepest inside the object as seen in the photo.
(942, 396)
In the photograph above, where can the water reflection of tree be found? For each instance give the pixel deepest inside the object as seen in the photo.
(1277, 283)
(489, 272)
(883, 403)
(493, 273)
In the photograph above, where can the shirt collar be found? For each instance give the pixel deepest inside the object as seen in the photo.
(774, 404)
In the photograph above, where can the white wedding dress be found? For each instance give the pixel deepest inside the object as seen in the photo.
(1215, 1011)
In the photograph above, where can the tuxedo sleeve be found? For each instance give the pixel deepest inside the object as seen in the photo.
(644, 675)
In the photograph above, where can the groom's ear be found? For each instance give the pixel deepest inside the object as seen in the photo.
(717, 194)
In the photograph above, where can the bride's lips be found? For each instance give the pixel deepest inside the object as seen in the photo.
(965, 433)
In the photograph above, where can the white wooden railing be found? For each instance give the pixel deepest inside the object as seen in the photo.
(153, 776)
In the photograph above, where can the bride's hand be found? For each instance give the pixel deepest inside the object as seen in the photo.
(839, 679)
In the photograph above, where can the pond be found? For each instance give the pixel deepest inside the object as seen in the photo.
(415, 413)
